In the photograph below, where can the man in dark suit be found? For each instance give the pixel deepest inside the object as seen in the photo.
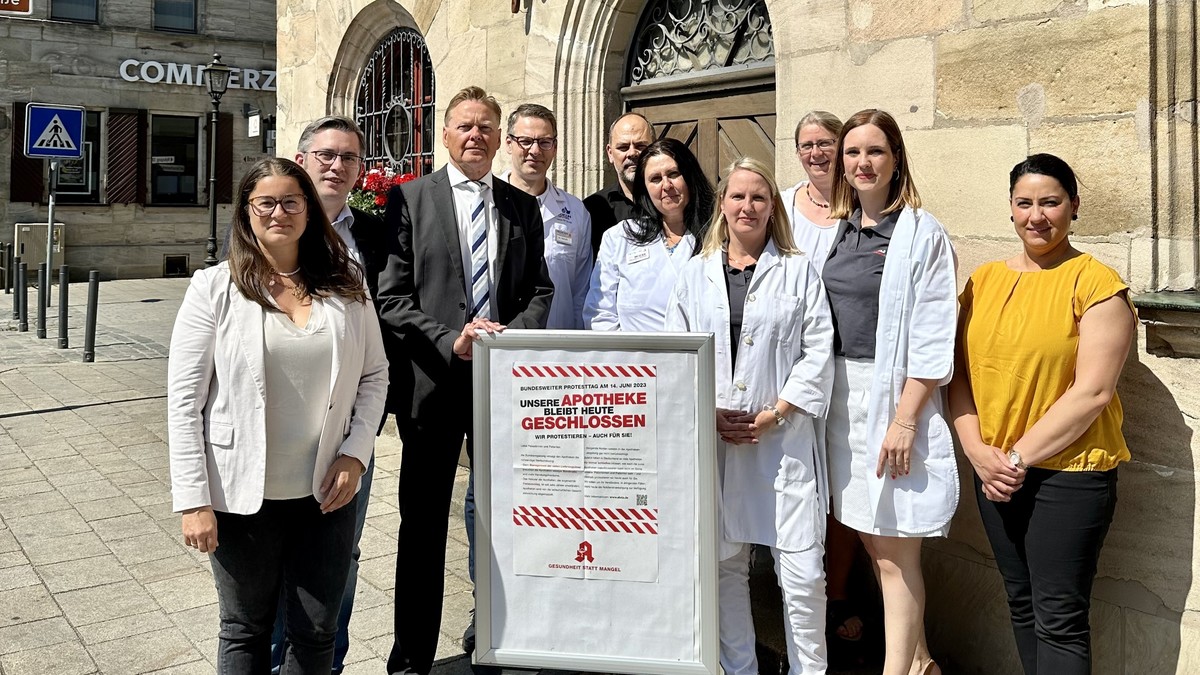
(330, 150)
(628, 136)
(466, 260)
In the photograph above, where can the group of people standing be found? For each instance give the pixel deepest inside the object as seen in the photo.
(838, 329)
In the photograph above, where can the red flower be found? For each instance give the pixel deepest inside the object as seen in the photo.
(381, 199)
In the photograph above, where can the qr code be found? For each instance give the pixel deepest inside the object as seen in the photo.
(642, 500)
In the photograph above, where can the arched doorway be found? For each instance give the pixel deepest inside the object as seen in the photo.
(395, 104)
(703, 71)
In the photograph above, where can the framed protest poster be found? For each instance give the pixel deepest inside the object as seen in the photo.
(595, 490)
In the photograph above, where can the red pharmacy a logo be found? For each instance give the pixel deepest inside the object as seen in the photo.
(584, 553)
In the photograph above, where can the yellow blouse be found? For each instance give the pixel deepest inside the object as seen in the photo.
(1020, 337)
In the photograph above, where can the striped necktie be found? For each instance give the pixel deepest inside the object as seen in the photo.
(480, 299)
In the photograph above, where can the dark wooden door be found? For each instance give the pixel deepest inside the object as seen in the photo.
(717, 128)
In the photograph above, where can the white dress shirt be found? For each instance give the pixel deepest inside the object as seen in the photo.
(568, 253)
(342, 225)
(464, 199)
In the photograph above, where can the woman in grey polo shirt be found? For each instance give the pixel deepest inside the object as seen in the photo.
(891, 286)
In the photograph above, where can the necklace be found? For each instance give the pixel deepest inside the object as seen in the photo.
(667, 240)
(296, 289)
(810, 197)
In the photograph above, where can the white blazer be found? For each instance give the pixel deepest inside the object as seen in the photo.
(216, 393)
(772, 493)
(915, 338)
(632, 283)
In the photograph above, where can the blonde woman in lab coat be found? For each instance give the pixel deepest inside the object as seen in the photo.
(763, 301)
(890, 282)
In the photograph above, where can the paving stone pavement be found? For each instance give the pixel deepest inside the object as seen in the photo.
(94, 577)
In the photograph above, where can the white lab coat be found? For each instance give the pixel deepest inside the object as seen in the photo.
(773, 493)
(568, 254)
(915, 338)
(632, 284)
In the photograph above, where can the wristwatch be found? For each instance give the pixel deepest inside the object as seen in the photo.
(1015, 458)
(779, 418)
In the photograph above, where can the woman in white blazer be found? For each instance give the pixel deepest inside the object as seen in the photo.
(275, 387)
(763, 302)
(640, 259)
(891, 286)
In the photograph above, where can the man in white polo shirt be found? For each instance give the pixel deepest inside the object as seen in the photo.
(532, 143)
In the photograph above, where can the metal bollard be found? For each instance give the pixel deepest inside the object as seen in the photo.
(63, 342)
(16, 290)
(43, 292)
(89, 325)
(22, 298)
(8, 268)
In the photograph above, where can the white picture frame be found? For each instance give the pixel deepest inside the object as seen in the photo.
(601, 625)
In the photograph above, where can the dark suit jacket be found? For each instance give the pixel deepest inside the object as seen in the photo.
(370, 236)
(422, 291)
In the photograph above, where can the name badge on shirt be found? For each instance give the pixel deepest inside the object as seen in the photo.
(562, 237)
(637, 255)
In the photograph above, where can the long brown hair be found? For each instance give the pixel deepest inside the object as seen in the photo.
(324, 261)
(902, 191)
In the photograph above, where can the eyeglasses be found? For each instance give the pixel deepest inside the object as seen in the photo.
(265, 206)
(824, 145)
(527, 142)
(326, 157)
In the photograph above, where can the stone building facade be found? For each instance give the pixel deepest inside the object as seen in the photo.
(1110, 85)
(137, 204)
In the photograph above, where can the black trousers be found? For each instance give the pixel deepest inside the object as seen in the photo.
(288, 547)
(1047, 541)
(427, 468)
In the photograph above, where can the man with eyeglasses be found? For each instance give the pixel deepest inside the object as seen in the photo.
(467, 260)
(330, 151)
(532, 145)
(628, 136)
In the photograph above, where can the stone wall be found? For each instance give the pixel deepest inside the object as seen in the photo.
(78, 64)
(977, 85)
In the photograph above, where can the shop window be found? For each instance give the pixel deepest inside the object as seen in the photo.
(395, 104)
(147, 159)
(175, 15)
(74, 10)
(174, 159)
(127, 156)
(28, 175)
(79, 179)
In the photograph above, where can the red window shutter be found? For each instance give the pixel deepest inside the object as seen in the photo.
(126, 171)
(27, 179)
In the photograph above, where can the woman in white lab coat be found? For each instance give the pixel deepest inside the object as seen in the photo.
(891, 286)
(640, 259)
(764, 303)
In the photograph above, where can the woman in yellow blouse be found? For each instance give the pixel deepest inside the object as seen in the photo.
(1042, 341)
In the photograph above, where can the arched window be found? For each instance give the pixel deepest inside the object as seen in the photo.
(395, 104)
(690, 37)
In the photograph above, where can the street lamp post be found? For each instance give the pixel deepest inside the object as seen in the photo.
(216, 78)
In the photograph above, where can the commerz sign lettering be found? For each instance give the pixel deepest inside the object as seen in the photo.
(186, 74)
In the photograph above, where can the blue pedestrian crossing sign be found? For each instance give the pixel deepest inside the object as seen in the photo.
(53, 131)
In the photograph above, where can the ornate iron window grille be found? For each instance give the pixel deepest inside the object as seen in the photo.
(395, 104)
(679, 37)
